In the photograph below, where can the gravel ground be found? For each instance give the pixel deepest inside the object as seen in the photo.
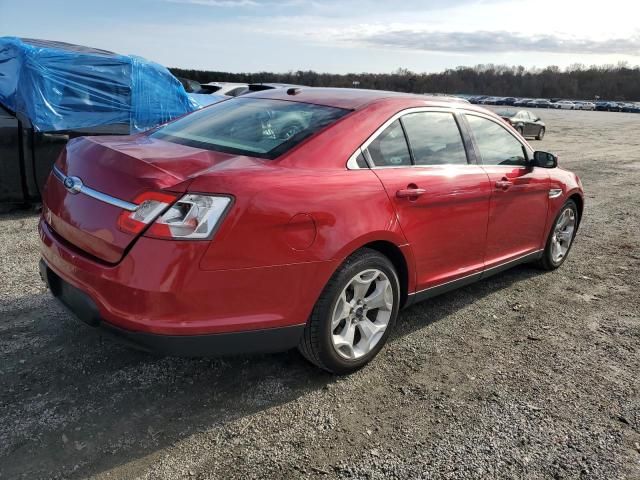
(525, 375)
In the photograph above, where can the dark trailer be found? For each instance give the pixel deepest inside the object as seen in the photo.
(53, 91)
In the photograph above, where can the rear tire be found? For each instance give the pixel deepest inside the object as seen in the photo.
(561, 237)
(339, 314)
(520, 131)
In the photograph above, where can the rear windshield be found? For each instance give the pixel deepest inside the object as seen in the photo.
(250, 126)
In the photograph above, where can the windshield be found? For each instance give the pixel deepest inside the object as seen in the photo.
(250, 126)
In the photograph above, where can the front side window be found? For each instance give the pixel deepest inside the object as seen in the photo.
(389, 149)
(434, 138)
(250, 126)
(497, 146)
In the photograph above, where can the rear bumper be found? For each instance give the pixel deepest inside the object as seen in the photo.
(253, 341)
(158, 291)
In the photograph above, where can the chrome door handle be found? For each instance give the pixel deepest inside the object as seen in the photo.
(410, 192)
(503, 184)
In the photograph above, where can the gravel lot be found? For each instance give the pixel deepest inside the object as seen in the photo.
(525, 375)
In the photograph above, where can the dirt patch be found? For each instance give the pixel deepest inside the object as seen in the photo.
(524, 375)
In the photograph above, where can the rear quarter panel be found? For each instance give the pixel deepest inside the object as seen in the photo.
(291, 216)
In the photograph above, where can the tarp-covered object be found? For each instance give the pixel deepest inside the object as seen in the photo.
(59, 86)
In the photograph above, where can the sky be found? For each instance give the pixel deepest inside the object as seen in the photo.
(339, 36)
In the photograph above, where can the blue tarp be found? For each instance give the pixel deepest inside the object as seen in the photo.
(59, 86)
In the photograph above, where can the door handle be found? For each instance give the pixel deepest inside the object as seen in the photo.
(410, 192)
(503, 184)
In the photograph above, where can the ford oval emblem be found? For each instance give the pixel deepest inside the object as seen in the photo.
(73, 185)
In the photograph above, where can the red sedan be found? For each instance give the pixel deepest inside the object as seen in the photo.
(301, 218)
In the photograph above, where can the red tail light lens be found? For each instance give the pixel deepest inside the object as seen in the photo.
(150, 206)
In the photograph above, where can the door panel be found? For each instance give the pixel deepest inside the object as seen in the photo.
(446, 226)
(530, 128)
(441, 201)
(517, 214)
(519, 197)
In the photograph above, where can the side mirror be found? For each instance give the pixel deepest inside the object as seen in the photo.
(537, 119)
(544, 160)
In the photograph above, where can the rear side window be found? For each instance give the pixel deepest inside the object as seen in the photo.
(497, 146)
(250, 126)
(434, 138)
(390, 149)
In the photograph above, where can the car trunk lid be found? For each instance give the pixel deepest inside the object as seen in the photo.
(120, 170)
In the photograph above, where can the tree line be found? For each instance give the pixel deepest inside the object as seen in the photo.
(611, 82)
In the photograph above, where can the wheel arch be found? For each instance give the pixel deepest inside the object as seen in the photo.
(395, 248)
(579, 201)
(399, 261)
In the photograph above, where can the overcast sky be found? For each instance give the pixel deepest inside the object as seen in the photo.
(339, 35)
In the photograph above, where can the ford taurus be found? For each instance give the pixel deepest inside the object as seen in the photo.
(300, 217)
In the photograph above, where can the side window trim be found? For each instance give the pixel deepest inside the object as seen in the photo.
(528, 154)
(462, 126)
(467, 139)
(407, 141)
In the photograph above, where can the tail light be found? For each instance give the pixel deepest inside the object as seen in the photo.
(150, 205)
(193, 217)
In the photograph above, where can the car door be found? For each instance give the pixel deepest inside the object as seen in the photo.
(530, 128)
(520, 193)
(441, 200)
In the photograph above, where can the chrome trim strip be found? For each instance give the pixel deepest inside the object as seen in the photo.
(352, 163)
(103, 197)
(59, 175)
(481, 272)
(555, 192)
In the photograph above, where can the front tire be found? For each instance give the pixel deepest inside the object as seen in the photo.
(354, 315)
(540, 135)
(561, 237)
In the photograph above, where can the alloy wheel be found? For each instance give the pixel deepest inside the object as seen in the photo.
(563, 235)
(361, 314)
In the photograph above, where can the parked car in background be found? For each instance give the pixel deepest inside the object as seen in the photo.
(580, 105)
(51, 92)
(631, 108)
(206, 99)
(608, 106)
(200, 238)
(477, 99)
(226, 88)
(457, 98)
(564, 105)
(522, 102)
(259, 87)
(540, 103)
(191, 86)
(526, 123)
(602, 106)
(627, 106)
(506, 101)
